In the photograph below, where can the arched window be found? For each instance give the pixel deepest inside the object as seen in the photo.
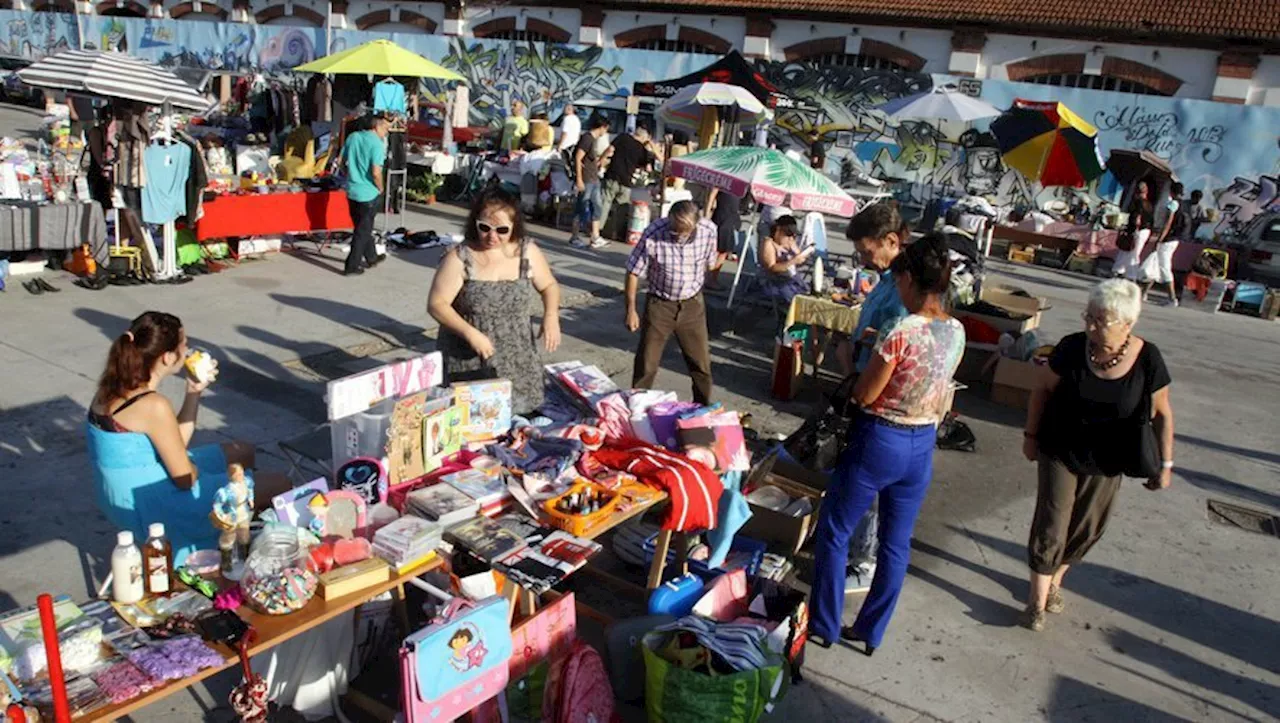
(1094, 82)
(674, 46)
(532, 36)
(861, 61)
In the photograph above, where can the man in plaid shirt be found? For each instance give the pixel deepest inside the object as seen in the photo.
(674, 254)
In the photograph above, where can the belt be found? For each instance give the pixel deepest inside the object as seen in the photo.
(876, 419)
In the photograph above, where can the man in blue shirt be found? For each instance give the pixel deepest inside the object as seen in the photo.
(363, 154)
(879, 234)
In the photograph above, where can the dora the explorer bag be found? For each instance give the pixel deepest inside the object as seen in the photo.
(456, 662)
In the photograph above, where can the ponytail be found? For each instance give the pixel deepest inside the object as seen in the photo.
(133, 354)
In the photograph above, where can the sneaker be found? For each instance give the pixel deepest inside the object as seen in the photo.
(1054, 603)
(858, 577)
(1033, 620)
(598, 243)
(579, 243)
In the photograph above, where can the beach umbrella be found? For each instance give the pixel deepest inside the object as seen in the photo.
(379, 57)
(1048, 143)
(687, 108)
(941, 103)
(772, 178)
(113, 75)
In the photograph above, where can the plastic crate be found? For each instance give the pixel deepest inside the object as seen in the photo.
(744, 552)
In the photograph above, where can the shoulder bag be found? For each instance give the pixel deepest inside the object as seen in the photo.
(1143, 458)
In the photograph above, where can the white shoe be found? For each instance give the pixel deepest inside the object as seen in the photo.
(598, 243)
(858, 577)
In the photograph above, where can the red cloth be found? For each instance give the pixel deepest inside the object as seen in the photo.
(269, 214)
(694, 490)
(1198, 285)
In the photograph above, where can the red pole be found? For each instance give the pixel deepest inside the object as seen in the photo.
(49, 625)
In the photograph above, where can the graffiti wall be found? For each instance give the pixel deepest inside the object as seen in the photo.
(1230, 152)
(212, 46)
(545, 76)
(35, 35)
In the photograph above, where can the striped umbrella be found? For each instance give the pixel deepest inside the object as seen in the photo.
(1048, 143)
(771, 177)
(113, 75)
(942, 103)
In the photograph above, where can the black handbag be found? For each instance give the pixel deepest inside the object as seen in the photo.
(1144, 462)
(1125, 240)
(817, 444)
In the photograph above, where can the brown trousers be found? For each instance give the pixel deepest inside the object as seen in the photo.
(688, 319)
(1071, 515)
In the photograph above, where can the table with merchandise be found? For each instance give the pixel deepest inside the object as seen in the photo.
(486, 511)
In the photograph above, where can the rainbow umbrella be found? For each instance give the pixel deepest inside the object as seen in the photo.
(1048, 143)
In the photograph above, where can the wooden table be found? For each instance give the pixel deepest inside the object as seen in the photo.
(272, 631)
(527, 600)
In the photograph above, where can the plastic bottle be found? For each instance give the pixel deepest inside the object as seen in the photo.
(157, 557)
(126, 570)
(819, 282)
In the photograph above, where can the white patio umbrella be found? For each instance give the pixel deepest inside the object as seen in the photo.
(941, 103)
(113, 75)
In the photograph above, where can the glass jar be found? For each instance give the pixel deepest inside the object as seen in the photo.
(276, 580)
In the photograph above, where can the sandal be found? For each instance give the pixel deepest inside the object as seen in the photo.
(46, 286)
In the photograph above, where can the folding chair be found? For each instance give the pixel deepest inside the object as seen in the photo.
(309, 453)
(748, 255)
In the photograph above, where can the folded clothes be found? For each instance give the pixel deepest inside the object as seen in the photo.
(739, 645)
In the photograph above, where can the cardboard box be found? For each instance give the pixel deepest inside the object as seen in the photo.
(1026, 311)
(783, 534)
(1013, 382)
(975, 362)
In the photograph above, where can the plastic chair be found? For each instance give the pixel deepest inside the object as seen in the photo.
(749, 261)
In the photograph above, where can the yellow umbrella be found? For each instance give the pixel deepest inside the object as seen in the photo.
(379, 57)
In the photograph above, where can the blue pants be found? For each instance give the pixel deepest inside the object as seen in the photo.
(895, 465)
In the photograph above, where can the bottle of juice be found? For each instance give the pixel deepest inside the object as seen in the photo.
(157, 562)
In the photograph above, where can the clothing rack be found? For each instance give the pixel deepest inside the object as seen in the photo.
(166, 262)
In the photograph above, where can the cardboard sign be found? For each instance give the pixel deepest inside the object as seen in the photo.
(359, 392)
(404, 440)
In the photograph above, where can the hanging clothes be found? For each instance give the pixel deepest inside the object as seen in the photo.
(197, 179)
(388, 96)
(168, 165)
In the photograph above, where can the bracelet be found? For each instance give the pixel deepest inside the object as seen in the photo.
(1167, 464)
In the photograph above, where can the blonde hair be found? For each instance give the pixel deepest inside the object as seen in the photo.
(1119, 298)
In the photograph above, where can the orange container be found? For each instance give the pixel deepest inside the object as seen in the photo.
(582, 525)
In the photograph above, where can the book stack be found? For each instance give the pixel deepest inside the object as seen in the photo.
(487, 487)
(484, 538)
(441, 503)
(586, 385)
(408, 542)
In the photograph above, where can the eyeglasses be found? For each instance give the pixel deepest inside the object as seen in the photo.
(484, 228)
(1093, 323)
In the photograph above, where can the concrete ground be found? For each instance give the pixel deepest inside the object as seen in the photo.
(1172, 617)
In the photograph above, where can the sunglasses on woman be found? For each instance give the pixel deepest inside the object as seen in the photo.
(484, 228)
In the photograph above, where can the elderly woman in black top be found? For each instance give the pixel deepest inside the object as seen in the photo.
(1083, 424)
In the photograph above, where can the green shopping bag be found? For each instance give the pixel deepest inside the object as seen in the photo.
(675, 695)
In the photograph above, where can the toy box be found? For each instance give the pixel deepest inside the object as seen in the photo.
(486, 409)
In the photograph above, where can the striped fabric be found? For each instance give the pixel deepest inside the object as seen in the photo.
(113, 75)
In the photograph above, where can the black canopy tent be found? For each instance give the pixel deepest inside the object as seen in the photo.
(732, 69)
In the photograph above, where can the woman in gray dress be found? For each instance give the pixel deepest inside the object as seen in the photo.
(483, 296)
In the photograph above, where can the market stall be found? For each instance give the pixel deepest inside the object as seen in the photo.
(273, 214)
(443, 490)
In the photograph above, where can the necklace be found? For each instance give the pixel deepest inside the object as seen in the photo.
(1113, 361)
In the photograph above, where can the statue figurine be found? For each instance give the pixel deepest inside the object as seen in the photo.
(233, 509)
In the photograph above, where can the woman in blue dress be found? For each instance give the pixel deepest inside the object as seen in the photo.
(144, 471)
(781, 257)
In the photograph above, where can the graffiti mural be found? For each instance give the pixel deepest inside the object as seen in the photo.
(1246, 203)
(35, 35)
(236, 47)
(545, 76)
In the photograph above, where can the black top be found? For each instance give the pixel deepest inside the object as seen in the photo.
(590, 161)
(1085, 420)
(727, 216)
(1140, 215)
(629, 155)
(817, 150)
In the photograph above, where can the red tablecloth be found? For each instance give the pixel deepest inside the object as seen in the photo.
(270, 214)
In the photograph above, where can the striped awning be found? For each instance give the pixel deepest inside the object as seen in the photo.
(113, 75)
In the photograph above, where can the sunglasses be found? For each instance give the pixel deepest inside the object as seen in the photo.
(1091, 322)
(484, 228)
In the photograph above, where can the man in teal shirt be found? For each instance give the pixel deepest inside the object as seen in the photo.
(363, 155)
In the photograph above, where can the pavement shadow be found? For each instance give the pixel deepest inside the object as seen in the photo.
(1183, 667)
(1221, 486)
(1230, 631)
(1254, 454)
(1073, 701)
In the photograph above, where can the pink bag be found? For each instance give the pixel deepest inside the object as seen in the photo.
(457, 662)
(578, 689)
(725, 599)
